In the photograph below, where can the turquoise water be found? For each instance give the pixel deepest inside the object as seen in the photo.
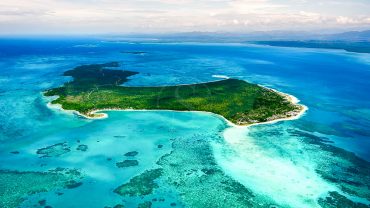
(284, 163)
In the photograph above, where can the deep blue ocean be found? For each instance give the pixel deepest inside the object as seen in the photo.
(333, 84)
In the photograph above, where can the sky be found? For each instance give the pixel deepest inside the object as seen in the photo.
(169, 16)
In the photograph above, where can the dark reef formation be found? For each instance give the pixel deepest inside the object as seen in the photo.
(55, 150)
(15, 185)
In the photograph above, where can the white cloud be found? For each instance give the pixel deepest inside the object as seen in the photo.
(95, 16)
(353, 21)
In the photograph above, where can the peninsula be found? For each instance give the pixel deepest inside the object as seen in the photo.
(99, 87)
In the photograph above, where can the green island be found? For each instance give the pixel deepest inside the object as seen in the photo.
(98, 87)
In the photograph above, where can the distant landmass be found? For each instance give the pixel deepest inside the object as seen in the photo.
(352, 41)
(358, 47)
(225, 37)
(356, 36)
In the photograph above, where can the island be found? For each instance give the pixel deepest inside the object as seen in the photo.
(98, 87)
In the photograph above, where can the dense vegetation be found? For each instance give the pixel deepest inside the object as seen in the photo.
(98, 87)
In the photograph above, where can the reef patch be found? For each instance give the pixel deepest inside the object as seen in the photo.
(16, 186)
(127, 163)
(131, 154)
(82, 147)
(55, 150)
(140, 185)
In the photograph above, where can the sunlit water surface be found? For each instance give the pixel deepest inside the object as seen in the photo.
(268, 159)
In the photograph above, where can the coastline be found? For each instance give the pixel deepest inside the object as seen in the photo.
(100, 115)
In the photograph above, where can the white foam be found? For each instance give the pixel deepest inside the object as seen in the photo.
(220, 76)
(285, 181)
(258, 61)
(86, 46)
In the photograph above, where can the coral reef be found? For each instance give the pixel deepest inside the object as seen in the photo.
(140, 185)
(127, 163)
(15, 186)
(55, 150)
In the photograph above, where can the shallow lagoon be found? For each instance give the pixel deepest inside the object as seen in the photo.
(268, 160)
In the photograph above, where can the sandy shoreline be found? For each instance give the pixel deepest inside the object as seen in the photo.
(100, 115)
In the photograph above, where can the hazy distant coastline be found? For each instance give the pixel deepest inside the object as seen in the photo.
(230, 37)
(357, 47)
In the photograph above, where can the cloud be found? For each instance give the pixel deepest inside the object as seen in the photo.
(104, 16)
(351, 21)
